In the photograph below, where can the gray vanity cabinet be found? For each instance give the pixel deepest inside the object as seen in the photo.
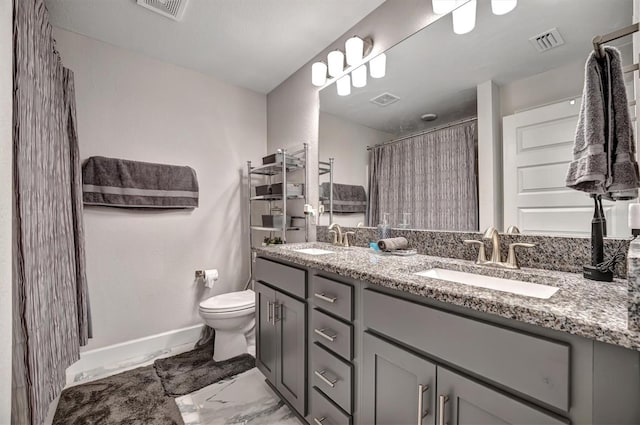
(266, 331)
(281, 330)
(398, 386)
(462, 401)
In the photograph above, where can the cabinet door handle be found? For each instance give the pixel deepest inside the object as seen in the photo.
(270, 312)
(421, 415)
(442, 401)
(277, 312)
(320, 374)
(319, 421)
(325, 297)
(323, 333)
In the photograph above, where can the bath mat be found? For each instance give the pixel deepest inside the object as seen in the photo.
(134, 397)
(193, 370)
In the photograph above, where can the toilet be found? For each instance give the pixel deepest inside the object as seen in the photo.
(232, 315)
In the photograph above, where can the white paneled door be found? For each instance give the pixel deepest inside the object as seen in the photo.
(537, 151)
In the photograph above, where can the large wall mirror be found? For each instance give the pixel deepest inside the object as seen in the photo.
(408, 144)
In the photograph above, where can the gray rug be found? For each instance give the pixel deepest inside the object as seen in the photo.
(144, 395)
(134, 397)
(193, 370)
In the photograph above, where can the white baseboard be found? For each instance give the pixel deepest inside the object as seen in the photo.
(134, 349)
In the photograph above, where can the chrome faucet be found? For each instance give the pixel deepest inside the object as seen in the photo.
(492, 233)
(496, 259)
(336, 230)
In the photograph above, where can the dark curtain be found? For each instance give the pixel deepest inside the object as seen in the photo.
(50, 304)
(433, 176)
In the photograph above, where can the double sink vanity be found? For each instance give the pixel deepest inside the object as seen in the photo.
(350, 336)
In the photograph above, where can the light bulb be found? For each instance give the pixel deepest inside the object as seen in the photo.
(319, 74)
(378, 66)
(344, 85)
(355, 50)
(464, 17)
(359, 76)
(502, 7)
(442, 7)
(336, 62)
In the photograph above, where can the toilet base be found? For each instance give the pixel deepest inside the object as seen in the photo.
(228, 345)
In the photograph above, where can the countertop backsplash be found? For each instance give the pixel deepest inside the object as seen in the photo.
(566, 254)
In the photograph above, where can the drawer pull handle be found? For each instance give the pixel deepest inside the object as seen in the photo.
(442, 401)
(421, 415)
(323, 333)
(319, 421)
(326, 298)
(320, 374)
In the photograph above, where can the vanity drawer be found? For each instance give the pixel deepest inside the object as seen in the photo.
(332, 296)
(287, 278)
(324, 412)
(333, 376)
(332, 333)
(528, 364)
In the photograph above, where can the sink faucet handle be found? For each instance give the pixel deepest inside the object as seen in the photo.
(512, 258)
(513, 230)
(345, 238)
(335, 236)
(482, 256)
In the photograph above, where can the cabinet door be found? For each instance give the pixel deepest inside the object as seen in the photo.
(469, 402)
(292, 354)
(266, 331)
(396, 383)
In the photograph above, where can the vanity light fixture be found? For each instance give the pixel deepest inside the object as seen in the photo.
(378, 66)
(359, 76)
(336, 62)
(442, 7)
(344, 85)
(502, 7)
(356, 49)
(464, 17)
(319, 74)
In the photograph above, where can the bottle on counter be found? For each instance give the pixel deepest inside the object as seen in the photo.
(384, 228)
(633, 269)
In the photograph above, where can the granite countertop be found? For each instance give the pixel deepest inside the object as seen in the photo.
(595, 310)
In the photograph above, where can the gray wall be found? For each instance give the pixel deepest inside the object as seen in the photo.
(140, 264)
(6, 120)
(293, 106)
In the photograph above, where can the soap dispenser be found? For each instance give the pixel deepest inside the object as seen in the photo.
(633, 269)
(384, 229)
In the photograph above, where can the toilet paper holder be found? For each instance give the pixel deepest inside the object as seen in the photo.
(200, 274)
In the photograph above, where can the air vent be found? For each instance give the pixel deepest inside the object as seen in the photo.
(173, 9)
(547, 40)
(385, 99)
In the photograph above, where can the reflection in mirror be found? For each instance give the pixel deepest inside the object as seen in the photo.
(407, 144)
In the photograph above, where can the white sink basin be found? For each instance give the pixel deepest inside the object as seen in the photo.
(527, 289)
(313, 251)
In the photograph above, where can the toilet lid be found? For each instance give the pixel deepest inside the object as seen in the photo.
(231, 301)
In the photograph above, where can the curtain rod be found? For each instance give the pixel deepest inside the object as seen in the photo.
(422, 133)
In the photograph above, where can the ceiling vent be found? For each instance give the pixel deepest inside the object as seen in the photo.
(173, 9)
(547, 40)
(385, 99)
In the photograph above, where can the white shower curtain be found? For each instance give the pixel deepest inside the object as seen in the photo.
(433, 176)
(50, 303)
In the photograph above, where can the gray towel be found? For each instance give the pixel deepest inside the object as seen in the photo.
(393, 244)
(121, 183)
(347, 198)
(604, 149)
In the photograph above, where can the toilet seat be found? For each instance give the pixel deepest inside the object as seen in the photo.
(229, 302)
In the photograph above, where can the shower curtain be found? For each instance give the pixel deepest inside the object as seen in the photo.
(50, 300)
(433, 176)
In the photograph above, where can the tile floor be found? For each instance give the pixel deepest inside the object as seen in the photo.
(244, 399)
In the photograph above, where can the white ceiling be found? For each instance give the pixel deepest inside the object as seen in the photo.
(251, 43)
(437, 71)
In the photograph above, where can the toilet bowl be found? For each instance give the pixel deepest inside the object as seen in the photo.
(232, 316)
